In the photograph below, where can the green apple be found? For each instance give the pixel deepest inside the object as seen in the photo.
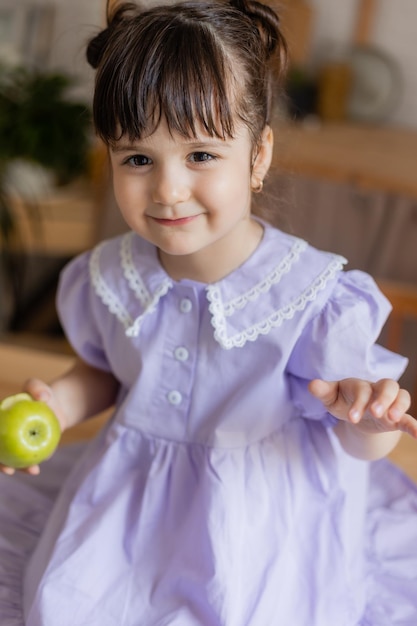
(29, 431)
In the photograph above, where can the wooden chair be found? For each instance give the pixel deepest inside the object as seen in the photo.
(403, 298)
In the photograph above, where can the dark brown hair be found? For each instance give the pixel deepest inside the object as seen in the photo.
(197, 64)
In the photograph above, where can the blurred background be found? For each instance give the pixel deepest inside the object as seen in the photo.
(344, 174)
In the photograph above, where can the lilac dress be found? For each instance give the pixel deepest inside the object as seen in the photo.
(218, 494)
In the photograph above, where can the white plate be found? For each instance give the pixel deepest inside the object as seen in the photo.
(376, 85)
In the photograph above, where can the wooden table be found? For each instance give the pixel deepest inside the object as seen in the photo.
(370, 157)
(18, 363)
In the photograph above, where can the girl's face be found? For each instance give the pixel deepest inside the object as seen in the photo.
(191, 198)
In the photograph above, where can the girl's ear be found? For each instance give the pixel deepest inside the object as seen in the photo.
(263, 158)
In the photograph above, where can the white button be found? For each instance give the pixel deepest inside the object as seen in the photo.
(186, 305)
(174, 397)
(181, 353)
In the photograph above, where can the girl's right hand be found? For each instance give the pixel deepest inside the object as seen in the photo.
(38, 390)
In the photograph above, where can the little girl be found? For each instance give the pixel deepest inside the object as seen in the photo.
(232, 486)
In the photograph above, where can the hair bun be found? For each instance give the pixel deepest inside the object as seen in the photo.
(96, 47)
(267, 22)
(98, 44)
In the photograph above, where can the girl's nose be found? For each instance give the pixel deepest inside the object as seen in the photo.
(170, 187)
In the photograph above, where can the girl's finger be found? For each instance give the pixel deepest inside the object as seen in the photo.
(387, 394)
(408, 425)
(37, 389)
(324, 390)
(4, 469)
(400, 406)
(362, 397)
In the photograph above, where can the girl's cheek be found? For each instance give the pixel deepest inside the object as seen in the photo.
(123, 189)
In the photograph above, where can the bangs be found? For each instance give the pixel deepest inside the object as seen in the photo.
(175, 73)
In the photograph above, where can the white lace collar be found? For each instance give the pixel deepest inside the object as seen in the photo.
(243, 306)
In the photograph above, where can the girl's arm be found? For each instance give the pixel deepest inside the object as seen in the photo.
(372, 415)
(82, 392)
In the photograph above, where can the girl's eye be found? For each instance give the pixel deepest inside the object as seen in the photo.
(138, 160)
(201, 157)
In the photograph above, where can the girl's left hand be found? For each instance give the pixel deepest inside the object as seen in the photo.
(373, 407)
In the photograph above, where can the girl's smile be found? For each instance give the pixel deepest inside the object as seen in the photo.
(180, 221)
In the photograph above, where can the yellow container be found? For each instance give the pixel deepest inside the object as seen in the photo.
(334, 84)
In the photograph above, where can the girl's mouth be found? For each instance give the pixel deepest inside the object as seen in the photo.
(174, 222)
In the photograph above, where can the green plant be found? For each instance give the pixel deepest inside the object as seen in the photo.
(40, 124)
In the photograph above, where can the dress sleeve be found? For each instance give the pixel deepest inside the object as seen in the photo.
(340, 341)
(77, 310)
